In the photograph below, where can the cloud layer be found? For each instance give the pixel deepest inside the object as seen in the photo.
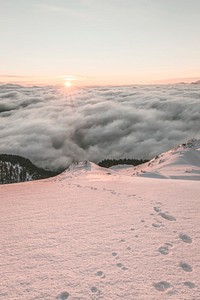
(54, 126)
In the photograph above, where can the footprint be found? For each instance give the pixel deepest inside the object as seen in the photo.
(162, 286)
(114, 193)
(63, 296)
(171, 293)
(189, 284)
(167, 216)
(96, 293)
(94, 290)
(164, 250)
(185, 238)
(100, 274)
(169, 244)
(121, 266)
(115, 255)
(157, 209)
(186, 267)
(156, 225)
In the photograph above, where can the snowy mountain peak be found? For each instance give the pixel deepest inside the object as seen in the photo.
(81, 166)
(181, 162)
(191, 144)
(84, 168)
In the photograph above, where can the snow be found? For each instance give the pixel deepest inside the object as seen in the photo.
(93, 233)
(182, 162)
(120, 167)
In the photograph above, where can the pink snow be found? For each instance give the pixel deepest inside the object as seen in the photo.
(95, 233)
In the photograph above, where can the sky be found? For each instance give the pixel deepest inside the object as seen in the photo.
(92, 42)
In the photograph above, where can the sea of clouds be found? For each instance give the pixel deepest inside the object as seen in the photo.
(54, 126)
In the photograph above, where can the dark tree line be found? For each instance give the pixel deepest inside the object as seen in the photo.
(15, 168)
(107, 163)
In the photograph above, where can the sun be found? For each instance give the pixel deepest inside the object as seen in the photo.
(68, 84)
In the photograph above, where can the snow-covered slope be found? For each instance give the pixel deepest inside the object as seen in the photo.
(182, 162)
(92, 233)
(84, 169)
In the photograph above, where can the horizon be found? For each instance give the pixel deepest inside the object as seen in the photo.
(172, 81)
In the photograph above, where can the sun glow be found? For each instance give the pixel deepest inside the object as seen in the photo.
(68, 84)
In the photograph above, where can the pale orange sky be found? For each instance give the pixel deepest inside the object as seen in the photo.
(107, 42)
(81, 81)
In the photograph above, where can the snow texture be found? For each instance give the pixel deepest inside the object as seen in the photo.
(92, 233)
(182, 162)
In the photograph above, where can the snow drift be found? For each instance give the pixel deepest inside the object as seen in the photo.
(182, 162)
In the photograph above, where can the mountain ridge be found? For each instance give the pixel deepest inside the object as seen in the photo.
(181, 162)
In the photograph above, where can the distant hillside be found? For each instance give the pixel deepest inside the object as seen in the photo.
(14, 168)
(196, 82)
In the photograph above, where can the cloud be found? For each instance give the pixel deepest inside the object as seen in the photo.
(12, 76)
(53, 126)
